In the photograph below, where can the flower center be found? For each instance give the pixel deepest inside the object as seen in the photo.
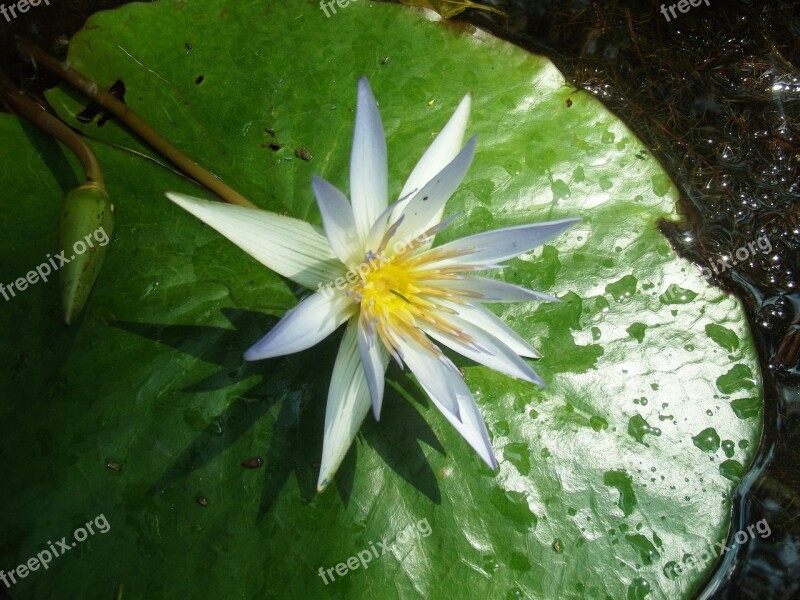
(400, 297)
(390, 293)
(386, 286)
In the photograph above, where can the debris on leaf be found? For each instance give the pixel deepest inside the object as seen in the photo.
(303, 153)
(451, 8)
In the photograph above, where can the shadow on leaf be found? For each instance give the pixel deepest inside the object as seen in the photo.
(299, 383)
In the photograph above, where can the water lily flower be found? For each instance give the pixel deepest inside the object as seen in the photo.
(375, 270)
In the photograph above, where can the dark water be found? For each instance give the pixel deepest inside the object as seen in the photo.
(715, 94)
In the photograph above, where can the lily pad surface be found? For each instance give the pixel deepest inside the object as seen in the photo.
(144, 411)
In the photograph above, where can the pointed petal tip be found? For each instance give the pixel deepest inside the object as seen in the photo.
(250, 356)
(534, 378)
(544, 297)
(368, 163)
(465, 106)
(256, 352)
(253, 353)
(493, 462)
(184, 200)
(177, 198)
(322, 484)
(365, 88)
(488, 456)
(457, 413)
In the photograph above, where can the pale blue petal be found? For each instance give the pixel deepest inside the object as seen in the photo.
(491, 290)
(368, 170)
(491, 247)
(484, 348)
(374, 358)
(436, 374)
(337, 219)
(348, 404)
(468, 420)
(424, 209)
(305, 325)
(482, 318)
(473, 429)
(441, 152)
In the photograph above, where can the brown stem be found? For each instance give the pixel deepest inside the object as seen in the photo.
(36, 113)
(121, 111)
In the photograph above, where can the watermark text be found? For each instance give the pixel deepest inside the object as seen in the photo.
(673, 569)
(22, 6)
(740, 255)
(683, 6)
(61, 547)
(374, 552)
(53, 264)
(326, 5)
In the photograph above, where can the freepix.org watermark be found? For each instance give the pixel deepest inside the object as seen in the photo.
(53, 264)
(22, 6)
(740, 255)
(366, 556)
(61, 547)
(326, 5)
(353, 275)
(373, 261)
(719, 548)
(683, 6)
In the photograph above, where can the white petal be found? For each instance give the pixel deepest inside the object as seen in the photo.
(437, 375)
(308, 323)
(425, 208)
(337, 219)
(495, 246)
(486, 350)
(484, 319)
(380, 227)
(288, 246)
(374, 358)
(368, 170)
(348, 404)
(443, 150)
(473, 429)
(492, 290)
(447, 385)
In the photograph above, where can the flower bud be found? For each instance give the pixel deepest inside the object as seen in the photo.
(87, 222)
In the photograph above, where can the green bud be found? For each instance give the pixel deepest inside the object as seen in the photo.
(87, 222)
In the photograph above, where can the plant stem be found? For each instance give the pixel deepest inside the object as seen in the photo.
(121, 111)
(26, 106)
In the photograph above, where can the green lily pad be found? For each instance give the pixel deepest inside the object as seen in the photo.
(144, 411)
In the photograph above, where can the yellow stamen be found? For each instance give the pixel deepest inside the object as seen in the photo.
(398, 296)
